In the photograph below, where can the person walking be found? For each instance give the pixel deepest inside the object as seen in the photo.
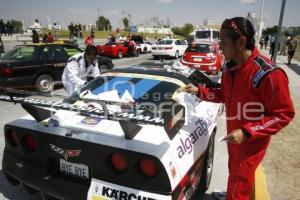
(78, 68)
(257, 101)
(292, 46)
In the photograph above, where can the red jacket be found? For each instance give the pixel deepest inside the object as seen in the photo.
(257, 100)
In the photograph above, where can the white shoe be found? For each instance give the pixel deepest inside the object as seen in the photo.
(219, 195)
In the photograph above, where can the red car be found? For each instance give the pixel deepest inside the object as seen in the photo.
(112, 49)
(205, 56)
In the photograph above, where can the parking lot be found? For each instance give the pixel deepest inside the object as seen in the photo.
(281, 163)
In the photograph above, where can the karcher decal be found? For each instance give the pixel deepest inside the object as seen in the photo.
(122, 195)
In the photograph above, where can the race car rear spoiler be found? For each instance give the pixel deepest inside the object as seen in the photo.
(40, 109)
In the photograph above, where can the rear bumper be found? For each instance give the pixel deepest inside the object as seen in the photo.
(36, 176)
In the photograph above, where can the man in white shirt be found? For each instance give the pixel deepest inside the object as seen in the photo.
(78, 68)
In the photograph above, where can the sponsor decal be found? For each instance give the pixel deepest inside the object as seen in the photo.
(187, 143)
(65, 153)
(266, 125)
(122, 195)
(59, 65)
(90, 121)
(85, 110)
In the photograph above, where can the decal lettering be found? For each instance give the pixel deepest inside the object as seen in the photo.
(122, 195)
(186, 144)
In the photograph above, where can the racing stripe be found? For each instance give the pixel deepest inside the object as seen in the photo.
(121, 84)
(143, 87)
(111, 84)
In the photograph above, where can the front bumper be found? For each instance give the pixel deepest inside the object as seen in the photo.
(36, 176)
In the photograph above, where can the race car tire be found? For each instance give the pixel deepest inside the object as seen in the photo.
(145, 50)
(120, 54)
(44, 83)
(103, 68)
(206, 173)
(176, 55)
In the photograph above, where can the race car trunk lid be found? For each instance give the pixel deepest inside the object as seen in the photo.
(78, 157)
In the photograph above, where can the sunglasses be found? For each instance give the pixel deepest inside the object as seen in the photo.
(229, 24)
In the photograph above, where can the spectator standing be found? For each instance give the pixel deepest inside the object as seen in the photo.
(50, 38)
(292, 45)
(1, 46)
(35, 36)
(71, 29)
(266, 40)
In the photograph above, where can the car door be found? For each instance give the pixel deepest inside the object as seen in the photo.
(24, 61)
(54, 58)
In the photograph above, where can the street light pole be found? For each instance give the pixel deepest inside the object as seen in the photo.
(260, 22)
(279, 31)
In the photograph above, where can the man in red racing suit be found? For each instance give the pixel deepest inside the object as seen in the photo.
(258, 105)
(260, 110)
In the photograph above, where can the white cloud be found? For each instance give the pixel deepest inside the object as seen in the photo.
(247, 1)
(164, 1)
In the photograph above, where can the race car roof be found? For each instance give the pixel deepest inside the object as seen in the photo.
(154, 69)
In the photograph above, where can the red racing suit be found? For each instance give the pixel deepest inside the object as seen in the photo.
(257, 100)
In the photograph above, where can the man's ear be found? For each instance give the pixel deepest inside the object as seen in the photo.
(242, 42)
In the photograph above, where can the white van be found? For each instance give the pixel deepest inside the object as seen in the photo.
(206, 34)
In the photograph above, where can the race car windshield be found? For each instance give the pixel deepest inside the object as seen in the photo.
(199, 48)
(141, 89)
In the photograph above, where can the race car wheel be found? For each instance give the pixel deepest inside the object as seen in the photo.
(44, 83)
(145, 50)
(176, 55)
(206, 173)
(156, 57)
(103, 68)
(120, 54)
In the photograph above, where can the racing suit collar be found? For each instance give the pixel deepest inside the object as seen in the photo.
(231, 66)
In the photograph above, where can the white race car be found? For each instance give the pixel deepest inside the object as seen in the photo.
(132, 133)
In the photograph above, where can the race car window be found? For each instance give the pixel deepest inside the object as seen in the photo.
(20, 53)
(199, 48)
(150, 93)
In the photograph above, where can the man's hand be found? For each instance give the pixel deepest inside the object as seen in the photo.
(190, 88)
(235, 137)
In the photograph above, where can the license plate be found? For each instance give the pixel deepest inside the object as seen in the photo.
(74, 169)
(160, 48)
(198, 59)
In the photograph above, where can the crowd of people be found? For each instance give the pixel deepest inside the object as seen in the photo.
(6, 28)
(287, 45)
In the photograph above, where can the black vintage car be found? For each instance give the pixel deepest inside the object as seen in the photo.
(39, 65)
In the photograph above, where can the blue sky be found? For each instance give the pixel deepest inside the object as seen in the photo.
(178, 11)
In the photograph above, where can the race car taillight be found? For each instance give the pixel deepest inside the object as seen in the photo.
(30, 143)
(166, 48)
(148, 167)
(119, 162)
(6, 71)
(12, 138)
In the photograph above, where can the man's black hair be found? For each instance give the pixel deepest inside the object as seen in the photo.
(240, 26)
(91, 50)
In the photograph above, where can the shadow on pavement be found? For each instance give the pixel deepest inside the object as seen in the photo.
(17, 192)
(205, 197)
(295, 68)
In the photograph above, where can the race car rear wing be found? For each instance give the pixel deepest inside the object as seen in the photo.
(40, 109)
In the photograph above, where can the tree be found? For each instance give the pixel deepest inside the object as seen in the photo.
(103, 24)
(18, 25)
(270, 30)
(184, 31)
(125, 21)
